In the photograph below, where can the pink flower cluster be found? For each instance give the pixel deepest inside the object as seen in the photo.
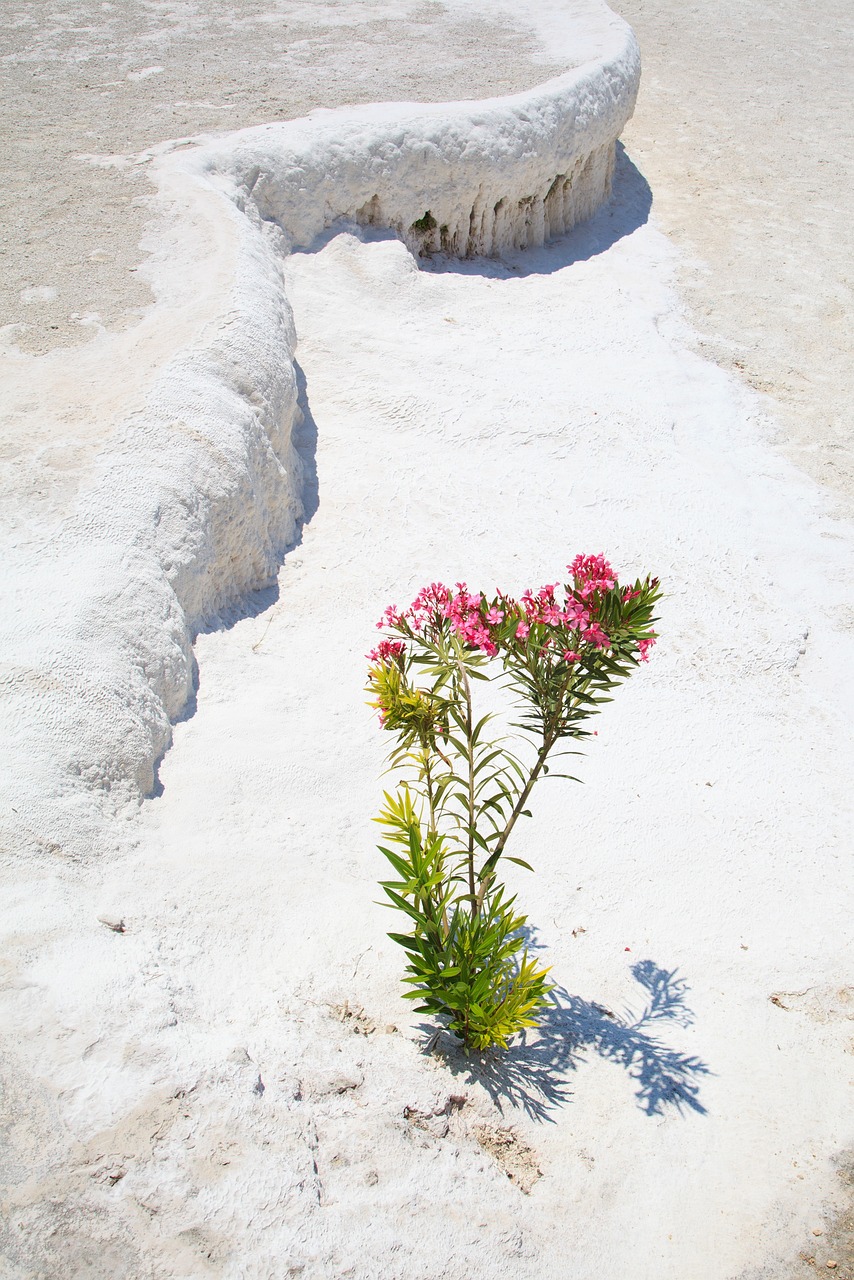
(391, 618)
(387, 650)
(572, 615)
(463, 612)
(592, 573)
(476, 619)
(430, 602)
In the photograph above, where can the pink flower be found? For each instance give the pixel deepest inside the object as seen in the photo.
(644, 647)
(571, 656)
(522, 631)
(495, 616)
(391, 618)
(529, 604)
(574, 614)
(595, 635)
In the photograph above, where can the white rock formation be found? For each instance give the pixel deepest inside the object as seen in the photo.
(196, 500)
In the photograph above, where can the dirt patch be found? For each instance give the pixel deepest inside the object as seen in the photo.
(512, 1154)
(822, 1004)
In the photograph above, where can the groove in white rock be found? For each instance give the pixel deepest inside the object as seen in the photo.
(509, 224)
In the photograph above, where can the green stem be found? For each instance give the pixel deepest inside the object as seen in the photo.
(430, 801)
(469, 727)
(550, 737)
(433, 832)
(542, 756)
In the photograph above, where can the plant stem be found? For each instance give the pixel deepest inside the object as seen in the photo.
(429, 779)
(542, 756)
(470, 850)
(550, 737)
(433, 831)
(517, 810)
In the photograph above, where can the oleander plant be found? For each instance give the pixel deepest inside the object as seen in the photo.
(461, 788)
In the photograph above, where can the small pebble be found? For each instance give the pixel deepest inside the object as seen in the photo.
(831, 1266)
(116, 923)
(817, 1231)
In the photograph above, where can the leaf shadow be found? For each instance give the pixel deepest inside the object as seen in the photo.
(534, 1073)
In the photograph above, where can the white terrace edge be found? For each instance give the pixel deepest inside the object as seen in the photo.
(196, 499)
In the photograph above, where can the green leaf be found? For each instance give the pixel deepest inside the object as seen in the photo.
(416, 915)
(406, 941)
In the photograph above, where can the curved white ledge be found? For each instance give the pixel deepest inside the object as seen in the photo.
(197, 499)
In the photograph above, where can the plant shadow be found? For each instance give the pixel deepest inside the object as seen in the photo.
(533, 1073)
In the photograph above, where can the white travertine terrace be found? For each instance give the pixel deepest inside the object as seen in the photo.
(197, 499)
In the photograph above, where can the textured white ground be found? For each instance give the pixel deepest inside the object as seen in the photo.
(743, 133)
(230, 1087)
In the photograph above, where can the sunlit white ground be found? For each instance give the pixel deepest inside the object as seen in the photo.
(486, 422)
(190, 1097)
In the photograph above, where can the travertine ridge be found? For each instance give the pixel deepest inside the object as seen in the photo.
(197, 499)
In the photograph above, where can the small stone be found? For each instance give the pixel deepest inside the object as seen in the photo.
(831, 1266)
(329, 1082)
(817, 1231)
(116, 923)
(390, 1028)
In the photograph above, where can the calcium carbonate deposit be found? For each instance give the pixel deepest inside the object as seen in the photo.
(199, 497)
(394, 343)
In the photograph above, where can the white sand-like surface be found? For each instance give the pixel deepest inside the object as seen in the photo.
(230, 1085)
(743, 133)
